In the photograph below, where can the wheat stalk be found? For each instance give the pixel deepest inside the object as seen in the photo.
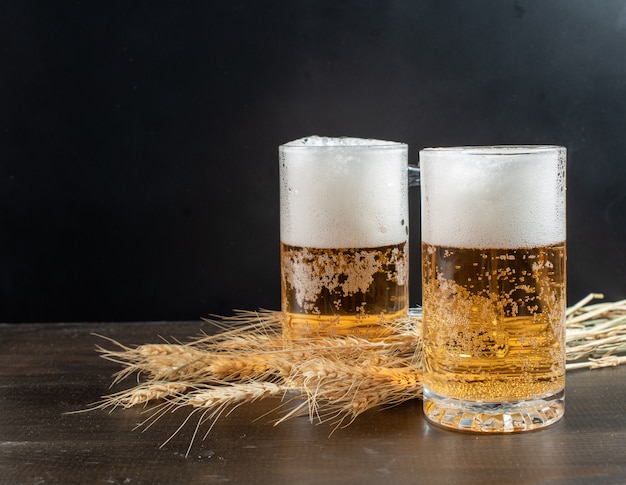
(147, 392)
(596, 334)
(337, 391)
(334, 379)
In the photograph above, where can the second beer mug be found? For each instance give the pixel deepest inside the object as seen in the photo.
(344, 236)
(493, 267)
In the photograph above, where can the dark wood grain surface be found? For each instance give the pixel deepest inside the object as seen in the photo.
(48, 370)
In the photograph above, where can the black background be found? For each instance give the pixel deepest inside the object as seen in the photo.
(138, 139)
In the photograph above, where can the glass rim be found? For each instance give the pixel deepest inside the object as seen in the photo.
(483, 150)
(341, 142)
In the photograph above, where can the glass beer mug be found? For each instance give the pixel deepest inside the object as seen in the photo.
(493, 296)
(343, 236)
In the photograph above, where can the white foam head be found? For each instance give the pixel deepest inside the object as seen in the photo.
(343, 192)
(493, 197)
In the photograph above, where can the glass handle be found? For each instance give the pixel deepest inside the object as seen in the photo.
(414, 176)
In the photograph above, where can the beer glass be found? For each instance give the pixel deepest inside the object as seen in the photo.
(343, 236)
(493, 273)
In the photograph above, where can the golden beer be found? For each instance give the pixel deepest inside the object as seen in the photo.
(493, 296)
(344, 236)
(343, 291)
(494, 331)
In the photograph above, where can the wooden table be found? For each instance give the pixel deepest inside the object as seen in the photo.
(47, 370)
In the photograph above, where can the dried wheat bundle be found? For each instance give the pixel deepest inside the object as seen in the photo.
(596, 334)
(331, 380)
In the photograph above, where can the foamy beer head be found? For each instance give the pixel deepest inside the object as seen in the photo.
(493, 197)
(343, 192)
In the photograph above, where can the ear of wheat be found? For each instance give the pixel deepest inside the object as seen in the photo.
(334, 379)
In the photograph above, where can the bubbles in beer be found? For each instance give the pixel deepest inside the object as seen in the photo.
(344, 281)
(493, 322)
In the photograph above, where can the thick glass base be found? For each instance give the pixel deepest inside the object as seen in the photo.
(482, 417)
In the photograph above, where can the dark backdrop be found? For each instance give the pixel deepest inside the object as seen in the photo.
(138, 140)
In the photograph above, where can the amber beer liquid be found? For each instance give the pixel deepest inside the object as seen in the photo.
(343, 291)
(493, 274)
(344, 236)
